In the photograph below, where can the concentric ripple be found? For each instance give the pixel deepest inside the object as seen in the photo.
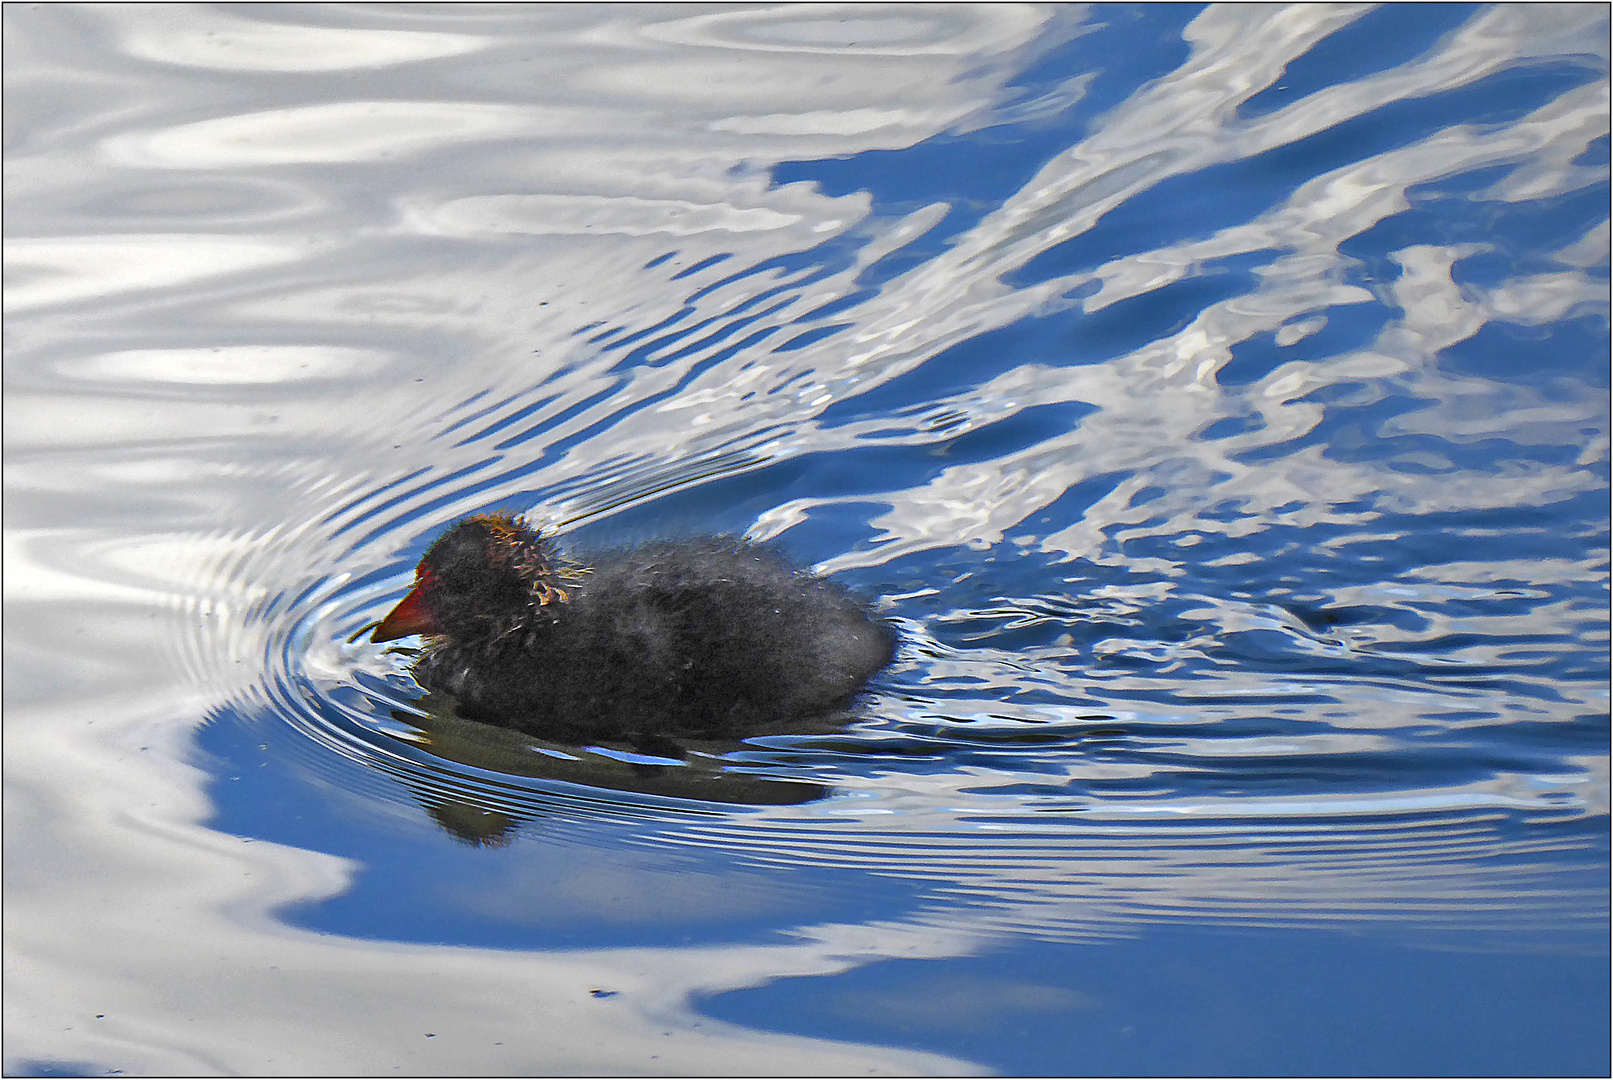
(1203, 567)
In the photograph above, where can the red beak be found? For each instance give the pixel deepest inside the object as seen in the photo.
(409, 617)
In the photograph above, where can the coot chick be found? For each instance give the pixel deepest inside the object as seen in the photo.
(705, 638)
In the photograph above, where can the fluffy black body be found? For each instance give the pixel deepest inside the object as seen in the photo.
(708, 638)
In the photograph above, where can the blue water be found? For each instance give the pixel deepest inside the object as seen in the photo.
(1216, 399)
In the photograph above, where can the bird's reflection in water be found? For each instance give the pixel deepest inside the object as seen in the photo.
(475, 825)
(685, 770)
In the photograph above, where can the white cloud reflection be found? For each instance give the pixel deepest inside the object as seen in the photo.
(58, 270)
(843, 31)
(597, 214)
(195, 37)
(348, 131)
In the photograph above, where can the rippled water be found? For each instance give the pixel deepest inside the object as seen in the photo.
(1216, 399)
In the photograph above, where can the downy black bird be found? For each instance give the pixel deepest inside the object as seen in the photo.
(711, 638)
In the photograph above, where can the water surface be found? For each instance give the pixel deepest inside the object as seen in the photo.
(1215, 398)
